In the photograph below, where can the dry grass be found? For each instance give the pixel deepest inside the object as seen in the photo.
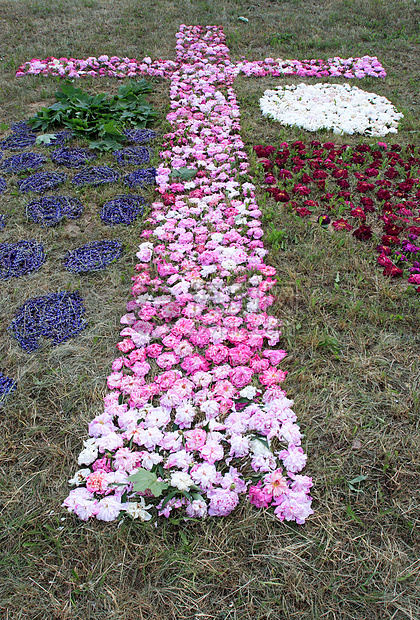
(353, 361)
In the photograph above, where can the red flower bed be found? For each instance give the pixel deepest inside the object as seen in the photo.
(360, 187)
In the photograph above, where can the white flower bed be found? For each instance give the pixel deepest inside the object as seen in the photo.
(343, 109)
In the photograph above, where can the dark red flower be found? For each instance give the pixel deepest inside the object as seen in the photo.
(270, 179)
(390, 240)
(392, 229)
(384, 260)
(358, 212)
(280, 195)
(383, 249)
(328, 145)
(367, 204)
(342, 225)
(407, 185)
(284, 174)
(363, 148)
(321, 185)
(396, 148)
(363, 233)
(267, 164)
(391, 173)
(364, 186)
(371, 172)
(301, 190)
(343, 183)
(392, 271)
(383, 194)
(306, 178)
(303, 211)
(264, 151)
(340, 173)
(319, 175)
(169, 199)
(358, 159)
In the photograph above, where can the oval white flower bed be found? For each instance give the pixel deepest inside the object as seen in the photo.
(340, 108)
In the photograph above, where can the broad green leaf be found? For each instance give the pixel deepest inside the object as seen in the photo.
(144, 479)
(45, 138)
(183, 174)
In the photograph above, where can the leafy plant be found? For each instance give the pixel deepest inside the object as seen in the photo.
(145, 480)
(97, 118)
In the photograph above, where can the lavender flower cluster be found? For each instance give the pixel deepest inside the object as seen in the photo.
(19, 258)
(72, 157)
(21, 137)
(22, 162)
(7, 385)
(95, 176)
(133, 156)
(41, 182)
(140, 136)
(93, 256)
(3, 185)
(50, 210)
(123, 209)
(58, 316)
(141, 178)
(60, 138)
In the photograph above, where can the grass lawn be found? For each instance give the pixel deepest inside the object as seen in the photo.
(352, 337)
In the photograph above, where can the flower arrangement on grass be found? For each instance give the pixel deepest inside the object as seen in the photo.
(139, 136)
(72, 157)
(140, 178)
(337, 107)
(23, 162)
(355, 188)
(196, 417)
(20, 138)
(123, 209)
(58, 316)
(133, 156)
(41, 182)
(50, 210)
(93, 256)
(366, 66)
(96, 175)
(7, 386)
(20, 258)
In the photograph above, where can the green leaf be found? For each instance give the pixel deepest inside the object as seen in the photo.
(145, 480)
(184, 174)
(168, 499)
(45, 138)
(356, 480)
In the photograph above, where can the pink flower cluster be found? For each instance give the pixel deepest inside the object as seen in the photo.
(115, 66)
(195, 396)
(367, 66)
(104, 65)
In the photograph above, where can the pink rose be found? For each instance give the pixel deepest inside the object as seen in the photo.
(167, 360)
(154, 350)
(241, 376)
(195, 438)
(222, 502)
(217, 353)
